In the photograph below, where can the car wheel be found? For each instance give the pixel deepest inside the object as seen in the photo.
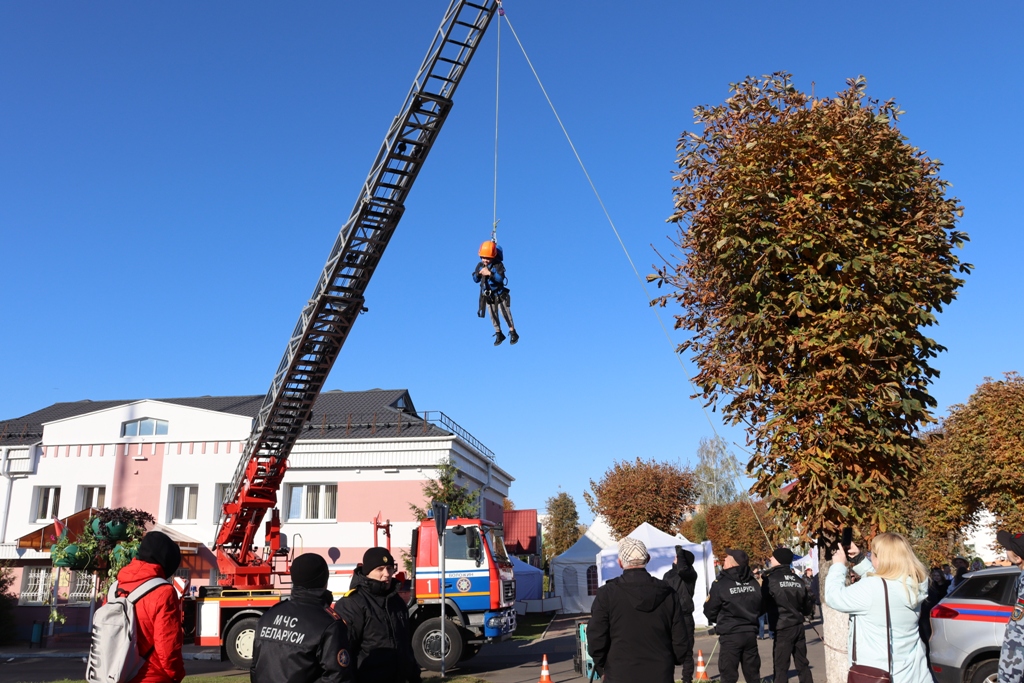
(984, 672)
(426, 644)
(239, 642)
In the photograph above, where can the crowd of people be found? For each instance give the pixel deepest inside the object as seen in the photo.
(364, 636)
(642, 628)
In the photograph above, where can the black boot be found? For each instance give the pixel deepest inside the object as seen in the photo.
(513, 336)
(498, 338)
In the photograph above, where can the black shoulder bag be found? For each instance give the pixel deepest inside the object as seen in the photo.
(869, 674)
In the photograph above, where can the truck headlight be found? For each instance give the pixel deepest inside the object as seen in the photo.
(494, 622)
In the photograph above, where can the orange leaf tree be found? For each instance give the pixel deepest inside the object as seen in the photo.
(985, 442)
(631, 493)
(735, 526)
(817, 245)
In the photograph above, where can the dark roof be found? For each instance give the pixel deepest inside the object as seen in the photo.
(377, 413)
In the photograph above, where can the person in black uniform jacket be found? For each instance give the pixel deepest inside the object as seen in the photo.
(682, 578)
(636, 630)
(787, 601)
(378, 622)
(734, 605)
(302, 640)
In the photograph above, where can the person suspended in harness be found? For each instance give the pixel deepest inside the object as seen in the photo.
(494, 295)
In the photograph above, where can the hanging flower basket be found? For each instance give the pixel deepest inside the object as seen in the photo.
(72, 557)
(116, 531)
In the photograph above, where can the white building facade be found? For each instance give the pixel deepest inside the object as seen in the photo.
(363, 456)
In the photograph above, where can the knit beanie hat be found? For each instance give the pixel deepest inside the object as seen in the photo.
(633, 551)
(158, 548)
(783, 555)
(377, 557)
(309, 571)
(740, 556)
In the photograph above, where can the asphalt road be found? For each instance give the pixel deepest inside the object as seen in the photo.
(509, 662)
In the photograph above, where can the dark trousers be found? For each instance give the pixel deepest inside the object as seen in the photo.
(688, 666)
(736, 649)
(791, 642)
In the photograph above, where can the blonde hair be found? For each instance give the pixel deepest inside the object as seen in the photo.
(894, 559)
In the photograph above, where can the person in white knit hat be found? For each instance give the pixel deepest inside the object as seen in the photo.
(636, 630)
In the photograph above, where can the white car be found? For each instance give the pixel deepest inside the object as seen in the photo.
(968, 626)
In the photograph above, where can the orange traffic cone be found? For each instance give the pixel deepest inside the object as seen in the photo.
(545, 672)
(702, 671)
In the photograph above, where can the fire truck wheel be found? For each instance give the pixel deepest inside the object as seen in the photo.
(239, 642)
(426, 644)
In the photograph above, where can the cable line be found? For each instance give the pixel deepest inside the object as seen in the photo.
(607, 215)
(497, 93)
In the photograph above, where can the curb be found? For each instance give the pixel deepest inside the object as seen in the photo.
(7, 657)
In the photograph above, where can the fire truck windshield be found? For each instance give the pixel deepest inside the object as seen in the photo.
(497, 544)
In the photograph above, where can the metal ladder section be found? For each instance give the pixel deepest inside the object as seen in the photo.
(329, 315)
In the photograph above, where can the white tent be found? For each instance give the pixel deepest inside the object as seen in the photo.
(529, 581)
(662, 548)
(571, 569)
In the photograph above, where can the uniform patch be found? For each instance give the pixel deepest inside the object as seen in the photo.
(1018, 610)
(463, 585)
(344, 659)
(330, 610)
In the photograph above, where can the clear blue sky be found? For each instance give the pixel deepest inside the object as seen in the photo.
(172, 176)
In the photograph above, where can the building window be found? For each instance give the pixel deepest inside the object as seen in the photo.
(147, 426)
(312, 502)
(81, 588)
(38, 583)
(93, 497)
(183, 503)
(47, 502)
(219, 500)
(592, 580)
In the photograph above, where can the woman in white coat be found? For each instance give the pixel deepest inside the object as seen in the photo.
(892, 561)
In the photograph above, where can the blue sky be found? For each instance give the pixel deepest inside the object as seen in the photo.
(172, 176)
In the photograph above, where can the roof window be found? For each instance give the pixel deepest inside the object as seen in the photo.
(146, 426)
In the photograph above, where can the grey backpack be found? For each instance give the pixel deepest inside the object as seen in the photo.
(114, 655)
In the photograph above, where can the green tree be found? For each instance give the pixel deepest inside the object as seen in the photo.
(716, 472)
(818, 245)
(461, 501)
(562, 526)
(631, 493)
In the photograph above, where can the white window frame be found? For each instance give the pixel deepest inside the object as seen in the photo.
(158, 425)
(326, 512)
(80, 588)
(219, 498)
(43, 585)
(98, 496)
(52, 503)
(185, 505)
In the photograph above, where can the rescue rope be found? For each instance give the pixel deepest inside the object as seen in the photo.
(497, 93)
(636, 272)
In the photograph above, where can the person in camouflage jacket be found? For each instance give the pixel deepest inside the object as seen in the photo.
(1011, 657)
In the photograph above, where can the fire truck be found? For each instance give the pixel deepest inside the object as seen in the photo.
(227, 614)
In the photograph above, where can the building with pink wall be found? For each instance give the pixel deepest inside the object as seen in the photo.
(362, 455)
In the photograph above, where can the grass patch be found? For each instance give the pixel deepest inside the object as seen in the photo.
(531, 626)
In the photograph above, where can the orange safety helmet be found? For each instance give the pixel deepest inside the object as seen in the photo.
(488, 249)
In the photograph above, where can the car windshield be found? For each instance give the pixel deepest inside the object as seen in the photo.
(497, 546)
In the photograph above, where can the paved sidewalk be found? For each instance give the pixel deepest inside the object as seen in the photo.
(7, 653)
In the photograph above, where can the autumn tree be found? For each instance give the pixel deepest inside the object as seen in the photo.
(742, 525)
(717, 471)
(507, 504)
(562, 526)
(818, 245)
(984, 439)
(461, 501)
(631, 493)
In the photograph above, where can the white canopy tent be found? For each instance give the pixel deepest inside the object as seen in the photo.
(529, 581)
(570, 569)
(662, 549)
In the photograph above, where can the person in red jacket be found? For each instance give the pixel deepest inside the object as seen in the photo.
(157, 613)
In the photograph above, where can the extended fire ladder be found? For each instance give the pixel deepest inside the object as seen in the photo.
(328, 317)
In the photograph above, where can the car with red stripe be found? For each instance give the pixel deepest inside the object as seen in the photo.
(968, 626)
